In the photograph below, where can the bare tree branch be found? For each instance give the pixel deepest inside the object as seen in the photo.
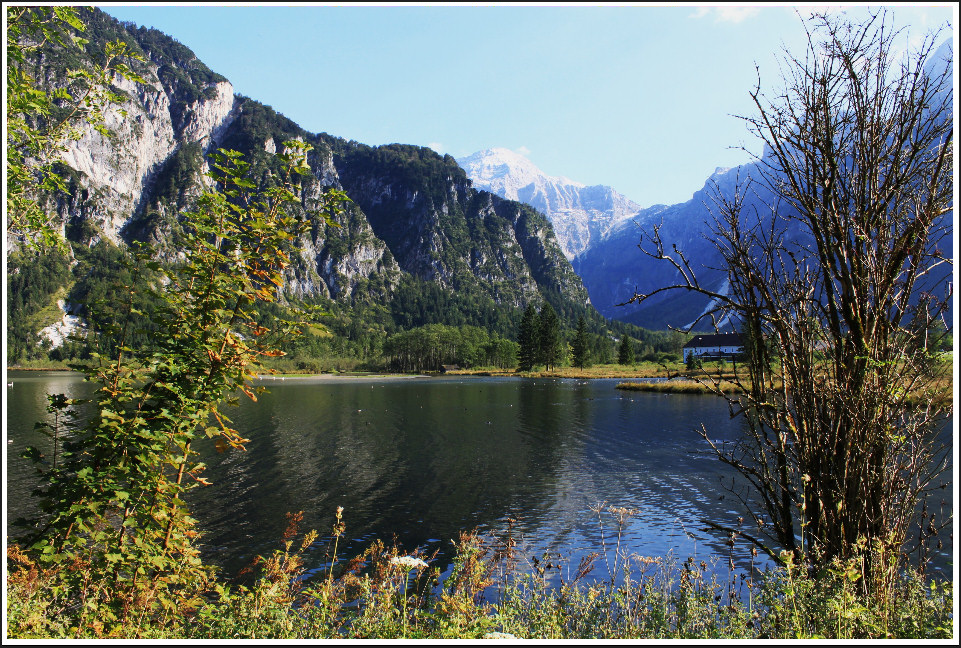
(834, 250)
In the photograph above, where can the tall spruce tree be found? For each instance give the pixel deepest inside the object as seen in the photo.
(580, 351)
(528, 339)
(625, 352)
(549, 330)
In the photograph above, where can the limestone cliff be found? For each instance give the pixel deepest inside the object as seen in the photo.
(414, 212)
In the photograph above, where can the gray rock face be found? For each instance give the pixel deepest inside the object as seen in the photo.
(413, 212)
(440, 229)
(120, 170)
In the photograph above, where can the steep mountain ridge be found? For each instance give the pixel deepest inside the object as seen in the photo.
(615, 268)
(600, 230)
(414, 213)
(470, 235)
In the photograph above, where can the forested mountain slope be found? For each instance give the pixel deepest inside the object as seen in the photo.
(417, 244)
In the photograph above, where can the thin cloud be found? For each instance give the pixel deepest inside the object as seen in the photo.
(735, 14)
(438, 147)
(727, 13)
(523, 150)
(701, 12)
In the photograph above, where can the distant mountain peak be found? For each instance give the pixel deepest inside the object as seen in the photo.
(500, 163)
(580, 214)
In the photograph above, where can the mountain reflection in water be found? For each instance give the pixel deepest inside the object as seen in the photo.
(417, 461)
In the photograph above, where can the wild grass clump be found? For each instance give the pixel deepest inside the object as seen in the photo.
(680, 387)
(489, 591)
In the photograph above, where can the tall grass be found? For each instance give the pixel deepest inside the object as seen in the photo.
(489, 592)
(680, 387)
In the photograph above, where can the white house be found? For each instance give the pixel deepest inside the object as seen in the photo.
(722, 346)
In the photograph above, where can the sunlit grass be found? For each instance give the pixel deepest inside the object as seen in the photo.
(491, 592)
(681, 387)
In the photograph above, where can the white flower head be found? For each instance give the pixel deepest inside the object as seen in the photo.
(410, 562)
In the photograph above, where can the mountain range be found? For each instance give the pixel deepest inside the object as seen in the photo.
(417, 245)
(426, 239)
(600, 230)
(581, 215)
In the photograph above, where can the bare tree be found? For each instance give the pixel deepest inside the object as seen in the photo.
(836, 282)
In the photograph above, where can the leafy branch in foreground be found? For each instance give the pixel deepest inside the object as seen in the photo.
(114, 517)
(40, 123)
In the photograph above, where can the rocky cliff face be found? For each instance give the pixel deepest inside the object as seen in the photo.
(439, 228)
(580, 215)
(182, 103)
(122, 170)
(413, 211)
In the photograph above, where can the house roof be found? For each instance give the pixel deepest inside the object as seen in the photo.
(717, 340)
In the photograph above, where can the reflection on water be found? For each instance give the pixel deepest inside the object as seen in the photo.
(419, 460)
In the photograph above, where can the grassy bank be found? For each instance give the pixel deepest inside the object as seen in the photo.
(939, 391)
(489, 593)
(41, 365)
(683, 386)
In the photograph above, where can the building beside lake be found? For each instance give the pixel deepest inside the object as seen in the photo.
(721, 346)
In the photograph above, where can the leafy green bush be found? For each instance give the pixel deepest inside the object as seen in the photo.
(114, 531)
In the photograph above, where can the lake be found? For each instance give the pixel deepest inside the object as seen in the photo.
(417, 460)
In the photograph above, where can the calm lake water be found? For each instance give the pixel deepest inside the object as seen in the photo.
(418, 460)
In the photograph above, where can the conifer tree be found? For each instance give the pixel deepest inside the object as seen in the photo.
(528, 339)
(625, 352)
(549, 334)
(580, 353)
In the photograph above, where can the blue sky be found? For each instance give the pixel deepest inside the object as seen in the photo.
(640, 98)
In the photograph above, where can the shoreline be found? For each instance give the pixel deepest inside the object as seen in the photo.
(321, 377)
(626, 373)
(638, 374)
(332, 377)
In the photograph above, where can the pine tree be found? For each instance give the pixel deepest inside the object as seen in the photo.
(625, 353)
(580, 353)
(549, 334)
(528, 339)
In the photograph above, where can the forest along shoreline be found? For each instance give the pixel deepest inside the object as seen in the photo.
(671, 378)
(640, 370)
